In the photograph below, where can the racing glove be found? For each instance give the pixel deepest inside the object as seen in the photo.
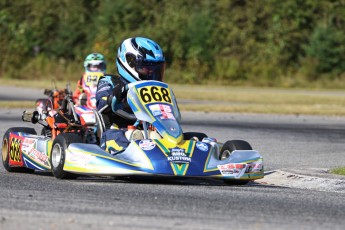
(120, 91)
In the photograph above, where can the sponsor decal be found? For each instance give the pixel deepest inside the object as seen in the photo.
(254, 167)
(14, 150)
(28, 148)
(164, 111)
(147, 145)
(235, 169)
(28, 142)
(38, 156)
(202, 146)
(80, 158)
(178, 156)
(155, 110)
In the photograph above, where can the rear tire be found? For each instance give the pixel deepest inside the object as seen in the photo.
(5, 149)
(226, 151)
(58, 154)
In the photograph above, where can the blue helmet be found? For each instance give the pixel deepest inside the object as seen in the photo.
(140, 58)
(95, 62)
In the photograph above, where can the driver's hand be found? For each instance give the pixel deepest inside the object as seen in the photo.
(120, 91)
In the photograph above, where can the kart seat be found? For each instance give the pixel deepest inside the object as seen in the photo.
(100, 126)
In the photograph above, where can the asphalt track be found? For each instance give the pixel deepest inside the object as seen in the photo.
(288, 144)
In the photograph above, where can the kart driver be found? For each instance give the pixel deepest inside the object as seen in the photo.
(94, 63)
(138, 58)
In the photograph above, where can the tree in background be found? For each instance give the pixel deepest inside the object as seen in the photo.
(243, 42)
(327, 49)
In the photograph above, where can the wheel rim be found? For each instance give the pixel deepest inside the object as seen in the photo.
(225, 154)
(56, 155)
(4, 150)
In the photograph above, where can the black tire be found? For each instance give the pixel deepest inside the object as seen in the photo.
(225, 152)
(58, 154)
(190, 135)
(5, 149)
(230, 146)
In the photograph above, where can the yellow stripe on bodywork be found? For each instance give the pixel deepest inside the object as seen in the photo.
(150, 166)
(104, 170)
(112, 144)
(188, 146)
(103, 156)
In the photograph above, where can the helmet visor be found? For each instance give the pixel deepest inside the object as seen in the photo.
(150, 70)
(100, 67)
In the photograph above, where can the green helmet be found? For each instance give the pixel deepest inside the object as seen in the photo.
(95, 63)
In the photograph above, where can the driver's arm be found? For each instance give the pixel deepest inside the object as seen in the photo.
(107, 94)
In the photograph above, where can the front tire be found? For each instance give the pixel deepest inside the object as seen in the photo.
(58, 154)
(6, 153)
(226, 151)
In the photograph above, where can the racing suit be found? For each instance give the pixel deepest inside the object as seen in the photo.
(113, 140)
(85, 81)
(79, 90)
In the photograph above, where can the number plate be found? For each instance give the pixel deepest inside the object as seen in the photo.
(155, 94)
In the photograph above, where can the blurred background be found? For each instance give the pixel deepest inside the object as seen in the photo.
(298, 43)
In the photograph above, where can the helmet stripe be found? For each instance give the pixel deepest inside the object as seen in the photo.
(128, 71)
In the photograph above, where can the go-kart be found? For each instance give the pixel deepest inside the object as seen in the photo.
(53, 101)
(50, 106)
(170, 152)
(86, 100)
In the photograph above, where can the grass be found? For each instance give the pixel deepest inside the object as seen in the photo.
(261, 100)
(339, 171)
(235, 99)
(41, 84)
(17, 104)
